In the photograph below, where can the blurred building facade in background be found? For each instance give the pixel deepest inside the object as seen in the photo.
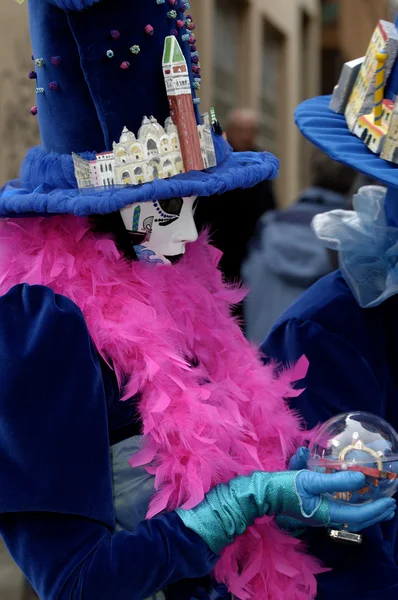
(18, 129)
(340, 41)
(263, 55)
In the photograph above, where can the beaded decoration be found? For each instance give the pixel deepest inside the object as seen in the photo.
(182, 28)
(164, 215)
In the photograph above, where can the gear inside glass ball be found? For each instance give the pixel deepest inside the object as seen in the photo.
(358, 442)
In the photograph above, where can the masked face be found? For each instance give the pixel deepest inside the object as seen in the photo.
(160, 230)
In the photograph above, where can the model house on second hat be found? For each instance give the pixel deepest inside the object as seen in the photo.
(116, 86)
(358, 124)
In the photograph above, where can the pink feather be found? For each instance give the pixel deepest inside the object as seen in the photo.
(203, 425)
(300, 369)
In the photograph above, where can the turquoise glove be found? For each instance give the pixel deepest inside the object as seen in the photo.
(228, 510)
(295, 527)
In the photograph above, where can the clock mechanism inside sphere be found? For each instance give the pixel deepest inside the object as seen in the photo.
(359, 442)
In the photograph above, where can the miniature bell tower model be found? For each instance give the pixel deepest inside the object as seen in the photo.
(179, 93)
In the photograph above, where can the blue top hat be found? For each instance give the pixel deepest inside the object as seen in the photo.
(366, 238)
(99, 69)
(329, 131)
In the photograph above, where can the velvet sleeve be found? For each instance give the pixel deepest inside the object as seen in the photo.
(339, 379)
(56, 506)
(70, 558)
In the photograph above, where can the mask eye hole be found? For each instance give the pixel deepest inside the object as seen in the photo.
(172, 206)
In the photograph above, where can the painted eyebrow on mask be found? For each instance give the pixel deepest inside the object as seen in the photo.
(165, 222)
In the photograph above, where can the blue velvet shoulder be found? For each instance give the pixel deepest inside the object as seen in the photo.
(329, 303)
(352, 352)
(54, 450)
(329, 294)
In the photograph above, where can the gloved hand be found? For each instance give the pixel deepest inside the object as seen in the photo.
(300, 459)
(228, 510)
(310, 486)
(294, 527)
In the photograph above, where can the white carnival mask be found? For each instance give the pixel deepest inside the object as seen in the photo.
(161, 229)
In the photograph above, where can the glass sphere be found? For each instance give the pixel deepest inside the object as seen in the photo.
(359, 442)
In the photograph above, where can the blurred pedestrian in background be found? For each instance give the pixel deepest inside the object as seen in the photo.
(285, 257)
(242, 129)
(233, 218)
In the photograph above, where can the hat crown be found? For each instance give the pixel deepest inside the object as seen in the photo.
(100, 66)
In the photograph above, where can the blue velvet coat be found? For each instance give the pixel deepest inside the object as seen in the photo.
(353, 354)
(59, 415)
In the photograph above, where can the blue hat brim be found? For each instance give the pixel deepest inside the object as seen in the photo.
(329, 132)
(238, 170)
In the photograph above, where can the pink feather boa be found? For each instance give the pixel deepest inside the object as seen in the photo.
(202, 425)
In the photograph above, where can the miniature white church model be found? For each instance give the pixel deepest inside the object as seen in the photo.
(156, 152)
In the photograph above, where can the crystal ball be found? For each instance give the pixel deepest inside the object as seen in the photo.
(359, 442)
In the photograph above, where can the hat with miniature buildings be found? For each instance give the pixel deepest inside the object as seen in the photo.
(119, 118)
(358, 124)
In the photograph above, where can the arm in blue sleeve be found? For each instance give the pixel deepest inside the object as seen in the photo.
(56, 504)
(338, 380)
(70, 558)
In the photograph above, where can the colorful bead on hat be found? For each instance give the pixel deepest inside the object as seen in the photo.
(122, 102)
